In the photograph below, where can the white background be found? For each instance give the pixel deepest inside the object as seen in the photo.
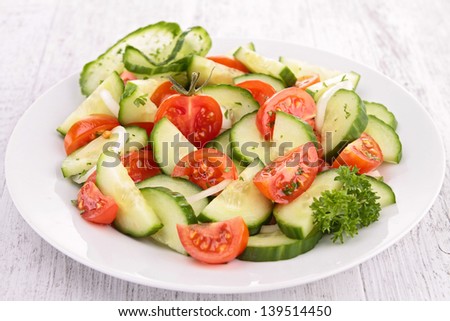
(42, 42)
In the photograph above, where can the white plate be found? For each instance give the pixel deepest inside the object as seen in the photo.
(42, 196)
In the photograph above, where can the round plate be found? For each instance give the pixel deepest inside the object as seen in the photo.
(35, 152)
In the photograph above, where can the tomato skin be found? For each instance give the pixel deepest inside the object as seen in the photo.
(229, 62)
(86, 130)
(162, 92)
(288, 176)
(206, 167)
(260, 90)
(148, 126)
(215, 243)
(96, 207)
(127, 76)
(363, 153)
(140, 165)
(198, 117)
(307, 80)
(292, 100)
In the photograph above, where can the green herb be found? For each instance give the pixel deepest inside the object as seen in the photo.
(227, 170)
(140, 101)
(347, 114)
(344, 77)
(238, 103)
(74, 203)
(343, 212)
(325, 85)
(227, 113)
(290, 188)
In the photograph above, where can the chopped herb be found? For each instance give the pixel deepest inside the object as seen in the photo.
(227, 114)
(344, 77)
(74, 203)
(238, 103)
(227, 170)
(119, 51)
(140, 101)
(347, 114)
(290, 188)
(325, 84)
(89, 163)
(240, 178)
(300, 171)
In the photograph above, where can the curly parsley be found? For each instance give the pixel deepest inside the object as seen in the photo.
(343, 212)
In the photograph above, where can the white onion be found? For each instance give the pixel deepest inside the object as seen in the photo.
(227, 122)
(80, 179)
(325, 98)
(120, 139)
(109, 101)
(208, 192)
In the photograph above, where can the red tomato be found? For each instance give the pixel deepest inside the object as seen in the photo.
(206, 167)
(148, 126)
(229, 62)
(94, 206)
(260, 90)
(306, 81)
(363, 153)
(162, 92)
(127, 76)
(140, 165)
(288, 176)
(86, 130)
(291, 100)
(215, 243)
(198, 117)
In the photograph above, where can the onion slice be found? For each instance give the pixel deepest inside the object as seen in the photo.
(109, 101)
(209, 191)
(325, 98)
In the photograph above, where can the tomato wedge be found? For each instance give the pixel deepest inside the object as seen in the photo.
(148, 126)
(260, 90)
(229, 62)
(127, 76)
(94, 206)
(141, 165)
(307, 80)
(215, 243)
(162, 92)
(288, 176)
(206, 167)
(293, 100)
(86, 130)
(363, 153)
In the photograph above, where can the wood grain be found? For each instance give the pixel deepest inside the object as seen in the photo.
(43, 42)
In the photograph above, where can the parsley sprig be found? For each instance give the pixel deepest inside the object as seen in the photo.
(343, 212)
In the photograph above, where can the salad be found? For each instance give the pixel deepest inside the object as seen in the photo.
(224, 157)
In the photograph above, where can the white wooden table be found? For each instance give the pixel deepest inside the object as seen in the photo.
(408, 40)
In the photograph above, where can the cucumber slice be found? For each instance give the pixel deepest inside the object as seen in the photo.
(387, 139)
(317, 90)
(236, 101)
(137, 138)
(274, 82)
(136, 62)
(172, 209)
(134, 217)
(154, 40)
(296, 219)
(383, 191)
(272, 245)
(302, 68)
(181, 77)
(381, 112)
(290, 132)
(247, 143)
(345, 121)
(169, 145)
(217, 73)
(179, 185)
(259, 64)
(135, 105)
(240, 198)
(94, 104)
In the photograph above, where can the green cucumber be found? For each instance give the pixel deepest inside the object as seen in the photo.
(383, 191)
(211, 71)
(180, 77)
(387, 139)
(259, 64)
(345, 121)
(155, 40)
(302, 68)
(274, 82)
(240, 198)
(172, 209)
(317, 90)
(137, 138)
(247, 143)
(236, 101)
(135, 104)
(179, 185)
(134, 216)
(169, 145)
(272, 245)
(296, 219)
(290, 132)
(381, 112)
(94, 104)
